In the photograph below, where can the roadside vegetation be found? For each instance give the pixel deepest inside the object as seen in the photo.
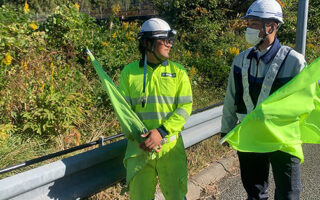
(50, 96)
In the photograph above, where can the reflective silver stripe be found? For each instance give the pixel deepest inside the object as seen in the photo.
(184, 99)
(182, 112)
(272, 73)
(268, 80)
(245, 83)
(170, 139)
(136, 101)
(128, 99)
(154, 115)
(163, 115)
(241, 116)
(163, 100)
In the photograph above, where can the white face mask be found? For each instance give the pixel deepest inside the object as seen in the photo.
(252, 36)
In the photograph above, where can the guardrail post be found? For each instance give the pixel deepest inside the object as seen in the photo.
(101, 141)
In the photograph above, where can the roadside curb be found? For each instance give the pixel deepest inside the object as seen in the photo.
(208, 176)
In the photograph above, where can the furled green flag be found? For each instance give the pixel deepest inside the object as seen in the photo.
(285, 120)
(130, 123)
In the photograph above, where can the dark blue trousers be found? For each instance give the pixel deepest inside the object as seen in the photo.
(254, 168)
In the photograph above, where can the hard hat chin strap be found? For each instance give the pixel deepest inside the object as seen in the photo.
(265, 35)
(159, 59)
(147, 48)
(154, 42)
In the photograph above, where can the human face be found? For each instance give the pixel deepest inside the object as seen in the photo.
(268, 34)
(257, 24)
(161, 51)
(163, 47)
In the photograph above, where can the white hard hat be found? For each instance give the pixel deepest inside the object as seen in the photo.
(265, 9)
(155, 28)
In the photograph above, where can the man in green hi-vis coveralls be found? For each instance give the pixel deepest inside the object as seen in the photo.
(159, 92)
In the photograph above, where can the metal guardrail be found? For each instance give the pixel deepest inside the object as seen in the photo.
(87, 173)
(60, 153)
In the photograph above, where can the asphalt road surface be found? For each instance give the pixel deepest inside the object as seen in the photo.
(230, 187)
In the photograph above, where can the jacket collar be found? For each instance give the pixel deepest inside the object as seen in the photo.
(164, 63)
(267, 57)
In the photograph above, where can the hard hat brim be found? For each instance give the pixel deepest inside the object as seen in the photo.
(256, 17)
(157, 34)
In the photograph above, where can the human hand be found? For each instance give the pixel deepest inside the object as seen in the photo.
(153, 140)
(144, 148)
(225, 143)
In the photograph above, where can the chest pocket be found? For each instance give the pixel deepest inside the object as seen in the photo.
(168, 82)
(136, 85)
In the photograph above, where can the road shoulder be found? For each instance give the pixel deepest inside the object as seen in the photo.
(205, 179)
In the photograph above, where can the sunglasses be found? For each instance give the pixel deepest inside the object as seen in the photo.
(167, 41)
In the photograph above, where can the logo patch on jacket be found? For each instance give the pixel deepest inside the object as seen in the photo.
(167, 74)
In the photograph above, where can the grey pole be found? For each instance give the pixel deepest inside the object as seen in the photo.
(302, 26)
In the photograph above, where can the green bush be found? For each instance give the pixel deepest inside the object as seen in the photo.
(210, 30)
(314, 16)
(48, 86)
(186, 13)
(43, 88)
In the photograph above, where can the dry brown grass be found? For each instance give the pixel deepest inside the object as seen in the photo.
(201, 155)
(113, 192)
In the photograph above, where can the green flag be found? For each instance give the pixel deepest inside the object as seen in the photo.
(285, 120)
(130, 124)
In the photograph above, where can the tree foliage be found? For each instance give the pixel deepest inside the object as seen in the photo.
(47, 6)
(186, 13)
(48, 87)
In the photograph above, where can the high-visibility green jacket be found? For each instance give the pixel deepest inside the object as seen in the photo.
(168, 94)
(283, 121)
(168, 104)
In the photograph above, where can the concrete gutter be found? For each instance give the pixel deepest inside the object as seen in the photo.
(198, 183)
